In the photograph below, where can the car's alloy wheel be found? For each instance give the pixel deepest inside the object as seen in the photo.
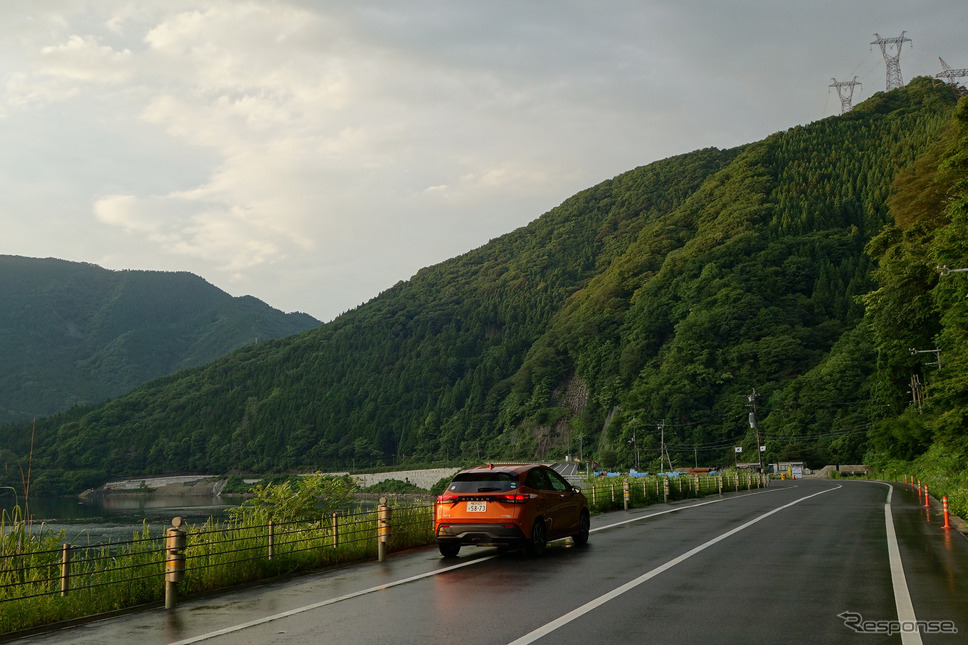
(536, 545)
(584, 526)
(449, 549)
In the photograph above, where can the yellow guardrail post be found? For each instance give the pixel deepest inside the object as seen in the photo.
(175, 542)
(65, 568)
(383, 515)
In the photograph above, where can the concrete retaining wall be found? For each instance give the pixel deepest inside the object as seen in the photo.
(422, 478)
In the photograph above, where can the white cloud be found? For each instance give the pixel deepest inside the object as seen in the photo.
(23, 89)
(123, 211)
(81, 58)
(313, 153)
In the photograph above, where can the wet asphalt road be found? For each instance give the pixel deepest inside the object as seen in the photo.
(801, 562)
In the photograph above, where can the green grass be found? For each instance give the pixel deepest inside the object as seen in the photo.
(941, 468)
(130, 573)
(221, 554)
(607, 493)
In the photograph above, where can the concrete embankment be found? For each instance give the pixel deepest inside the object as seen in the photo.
(171, 486)
(420, 478)
(209, 485)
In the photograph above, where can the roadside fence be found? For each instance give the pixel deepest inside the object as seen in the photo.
(44, 581)
(624, 492)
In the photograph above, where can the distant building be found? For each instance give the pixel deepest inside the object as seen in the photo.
(792, 469)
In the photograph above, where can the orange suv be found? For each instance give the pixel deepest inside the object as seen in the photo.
(509, 505)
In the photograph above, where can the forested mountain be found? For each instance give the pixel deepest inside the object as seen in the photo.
(659, 298)
(73, 333)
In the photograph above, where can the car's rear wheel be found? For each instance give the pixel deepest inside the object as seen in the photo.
(584, 526)
(449, 549)
(536, 545)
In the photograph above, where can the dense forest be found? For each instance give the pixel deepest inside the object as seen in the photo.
(801, 267)
(72, 333)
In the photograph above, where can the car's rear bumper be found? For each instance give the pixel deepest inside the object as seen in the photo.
(482, 534)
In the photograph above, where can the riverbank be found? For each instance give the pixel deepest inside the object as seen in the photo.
(213, 485)
(169, 486)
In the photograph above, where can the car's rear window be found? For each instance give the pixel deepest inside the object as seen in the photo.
(491, 482)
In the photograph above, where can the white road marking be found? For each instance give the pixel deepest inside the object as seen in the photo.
(395, 583)
(628, 586)
(331, 601)
(902, 596)
(688, 506)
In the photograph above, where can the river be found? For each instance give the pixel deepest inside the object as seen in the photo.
(116, 517)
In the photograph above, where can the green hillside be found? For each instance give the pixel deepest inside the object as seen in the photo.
(661, 297)
(73, 333)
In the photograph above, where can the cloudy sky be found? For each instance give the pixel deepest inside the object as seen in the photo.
(312, 153)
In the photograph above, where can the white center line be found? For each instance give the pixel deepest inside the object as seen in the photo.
(395, 583)
(628, 586)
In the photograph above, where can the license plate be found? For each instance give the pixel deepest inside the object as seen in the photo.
(476, 507)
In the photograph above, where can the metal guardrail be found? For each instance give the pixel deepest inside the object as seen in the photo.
(73, 579)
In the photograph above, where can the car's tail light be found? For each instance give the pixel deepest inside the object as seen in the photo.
(513, 498)
(508, 498)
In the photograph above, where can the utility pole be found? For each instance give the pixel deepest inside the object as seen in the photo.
(661, 443)
(917, 393)
(635, 445)
(845, 90)
(936, 352)
(752, 404)
(893, 60)
(663, 453)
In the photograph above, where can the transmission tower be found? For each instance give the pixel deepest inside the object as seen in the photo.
(950, 73)
(893, 60)
(845, 90)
